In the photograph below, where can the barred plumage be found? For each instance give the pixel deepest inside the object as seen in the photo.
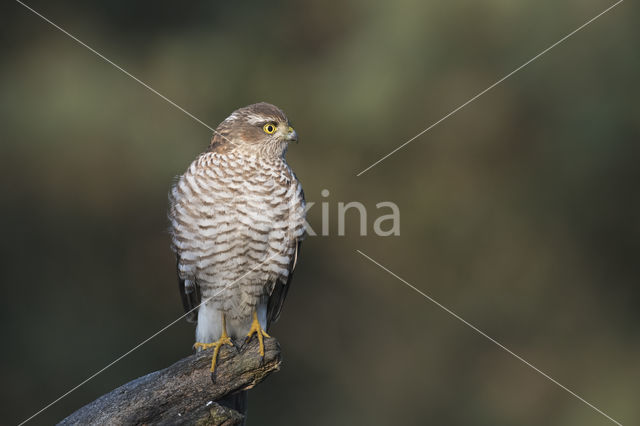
(237, 218)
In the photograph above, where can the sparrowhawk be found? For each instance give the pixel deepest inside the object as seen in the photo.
(237, 221)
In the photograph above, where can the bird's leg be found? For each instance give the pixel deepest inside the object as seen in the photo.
(223, 340)
(257, 329)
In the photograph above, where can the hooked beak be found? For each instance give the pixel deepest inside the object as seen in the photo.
(292, 136)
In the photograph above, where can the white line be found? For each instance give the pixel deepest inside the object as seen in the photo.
(482, 333)
(140, 344)
(491, 87)
(121, 69)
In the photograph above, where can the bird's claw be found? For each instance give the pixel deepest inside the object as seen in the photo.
(223, 340)
(257, 330)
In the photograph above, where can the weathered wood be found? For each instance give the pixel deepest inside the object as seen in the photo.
(184, 392)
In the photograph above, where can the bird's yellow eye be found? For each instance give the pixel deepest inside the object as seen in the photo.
(269, 128)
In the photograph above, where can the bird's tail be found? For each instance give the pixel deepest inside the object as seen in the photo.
(237, 401)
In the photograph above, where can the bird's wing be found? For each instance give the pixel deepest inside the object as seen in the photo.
(276, 300)
(190, 294)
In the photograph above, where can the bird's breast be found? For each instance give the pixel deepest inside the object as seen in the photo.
(232, 216)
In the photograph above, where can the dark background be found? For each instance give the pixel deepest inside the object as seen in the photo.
(521, 212)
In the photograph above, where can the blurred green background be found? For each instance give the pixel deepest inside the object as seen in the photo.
(521, 212)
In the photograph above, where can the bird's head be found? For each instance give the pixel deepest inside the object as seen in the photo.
(260, 129)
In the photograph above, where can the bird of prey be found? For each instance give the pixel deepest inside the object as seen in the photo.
(237, 220)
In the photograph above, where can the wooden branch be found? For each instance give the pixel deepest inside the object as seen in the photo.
(184, 392)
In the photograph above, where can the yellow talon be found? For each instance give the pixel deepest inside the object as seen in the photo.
(257, 329)
(223, 340)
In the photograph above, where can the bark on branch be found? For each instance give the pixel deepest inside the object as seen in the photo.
(184, 393)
